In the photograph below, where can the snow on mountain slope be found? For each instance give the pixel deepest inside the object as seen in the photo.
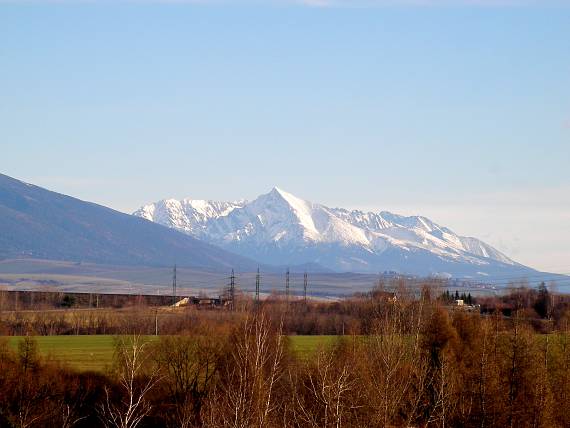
(280, 228)
(186, 215)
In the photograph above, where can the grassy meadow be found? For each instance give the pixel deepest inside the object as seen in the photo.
(95, 352)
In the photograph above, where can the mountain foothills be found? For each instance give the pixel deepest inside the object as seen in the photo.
(37, 223)
(281, 229)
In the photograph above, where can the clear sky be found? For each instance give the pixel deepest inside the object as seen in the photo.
(457, 110)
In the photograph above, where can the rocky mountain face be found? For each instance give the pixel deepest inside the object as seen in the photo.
(281, 229)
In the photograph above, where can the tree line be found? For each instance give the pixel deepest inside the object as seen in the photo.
(408, 361)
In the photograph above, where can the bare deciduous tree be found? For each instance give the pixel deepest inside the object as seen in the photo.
(189, 366)
(247, 395)
(393, 361)
(135, 381)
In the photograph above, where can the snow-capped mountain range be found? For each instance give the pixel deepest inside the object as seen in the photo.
(281, 229)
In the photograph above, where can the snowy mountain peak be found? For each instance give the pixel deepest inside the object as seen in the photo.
(297, 211)
(277, 191)
(281, 228)
(278, 194)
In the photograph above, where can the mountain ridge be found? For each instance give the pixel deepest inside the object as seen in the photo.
(41, 224)
(279, 227)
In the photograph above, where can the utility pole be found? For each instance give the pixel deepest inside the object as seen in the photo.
(233, 291)
(156, 321)
(174, 285)
(287, 285)
(305, 283)
(257, 285)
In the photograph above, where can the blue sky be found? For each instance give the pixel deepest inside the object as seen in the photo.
(457, 110)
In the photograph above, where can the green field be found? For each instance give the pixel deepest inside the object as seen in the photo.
(95, 353)
(85, 353)
(305, 345)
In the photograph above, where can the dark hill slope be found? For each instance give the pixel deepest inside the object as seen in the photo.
(38, 223)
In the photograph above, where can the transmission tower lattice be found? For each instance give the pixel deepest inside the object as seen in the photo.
(174, 286)
(287, 285)
(257, 285)
(305, 283)
(232, 290)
